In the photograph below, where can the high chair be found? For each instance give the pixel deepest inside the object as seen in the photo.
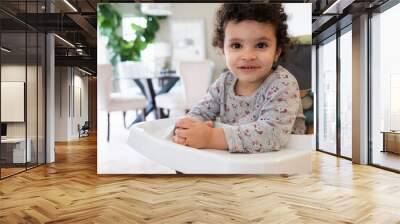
(153, 139)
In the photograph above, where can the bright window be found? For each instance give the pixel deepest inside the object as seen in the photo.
(346, 94)
(147, 55)
(385, 81)
(327, 97)
(127, 32)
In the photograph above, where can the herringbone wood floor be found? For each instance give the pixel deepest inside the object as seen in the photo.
(70, 191)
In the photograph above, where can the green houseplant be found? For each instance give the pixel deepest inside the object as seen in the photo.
(121, 50)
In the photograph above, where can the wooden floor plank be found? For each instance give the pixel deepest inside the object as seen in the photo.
(70, 191)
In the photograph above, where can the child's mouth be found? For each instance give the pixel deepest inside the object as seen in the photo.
(249, 68)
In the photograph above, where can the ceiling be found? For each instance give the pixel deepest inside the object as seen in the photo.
(76, 25)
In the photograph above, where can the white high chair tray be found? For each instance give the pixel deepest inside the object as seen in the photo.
(153, 140)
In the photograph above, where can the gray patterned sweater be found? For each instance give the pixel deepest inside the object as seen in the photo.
(261, 122)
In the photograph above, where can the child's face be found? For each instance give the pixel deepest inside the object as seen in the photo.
(250, 49)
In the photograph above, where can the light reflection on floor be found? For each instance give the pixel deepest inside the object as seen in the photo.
(387, 159)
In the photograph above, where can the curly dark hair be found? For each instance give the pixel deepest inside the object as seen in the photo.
(260, 12)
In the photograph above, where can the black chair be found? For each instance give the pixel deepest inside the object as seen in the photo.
(84, 130)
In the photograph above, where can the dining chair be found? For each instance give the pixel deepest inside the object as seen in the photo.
(196, 78)
(112, 102)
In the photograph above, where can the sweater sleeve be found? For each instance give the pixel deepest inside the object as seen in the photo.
(209, 106)
(273, 127)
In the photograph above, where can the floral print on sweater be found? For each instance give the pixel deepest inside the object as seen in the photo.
(261, 122)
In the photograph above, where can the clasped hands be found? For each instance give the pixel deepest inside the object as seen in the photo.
(192, 132)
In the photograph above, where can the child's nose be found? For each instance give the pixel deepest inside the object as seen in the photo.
(249, 55)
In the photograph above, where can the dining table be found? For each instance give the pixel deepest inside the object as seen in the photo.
(166, 79)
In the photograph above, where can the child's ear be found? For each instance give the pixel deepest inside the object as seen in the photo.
(278, 53)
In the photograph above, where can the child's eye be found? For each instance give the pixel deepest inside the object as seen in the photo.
(261, 45)
(236, 45)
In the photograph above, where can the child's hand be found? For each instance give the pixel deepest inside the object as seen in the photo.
(193, 133)
(179, 139)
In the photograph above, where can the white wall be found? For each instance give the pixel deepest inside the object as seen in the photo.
(79, 117)
(299, 18)
(14, 73)
(50, 93)
(202, 11)
(61, 103)
(33, 126)
(17, 73)
(67, 114)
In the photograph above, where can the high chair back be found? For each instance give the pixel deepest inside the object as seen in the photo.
(104, 78)
(196, 77)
